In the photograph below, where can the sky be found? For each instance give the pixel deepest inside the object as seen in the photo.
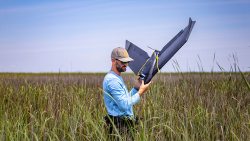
(78, 36)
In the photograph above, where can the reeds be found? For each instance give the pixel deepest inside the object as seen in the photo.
(178, 106)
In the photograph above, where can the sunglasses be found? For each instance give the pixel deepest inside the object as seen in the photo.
(122, 62)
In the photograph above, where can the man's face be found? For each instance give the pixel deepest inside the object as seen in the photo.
(121, 66)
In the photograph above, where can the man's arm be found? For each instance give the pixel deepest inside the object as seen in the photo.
(123, 99)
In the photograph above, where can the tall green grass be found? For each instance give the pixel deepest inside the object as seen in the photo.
(178, 106)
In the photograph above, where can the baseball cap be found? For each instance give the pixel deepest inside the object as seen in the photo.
(121, 54)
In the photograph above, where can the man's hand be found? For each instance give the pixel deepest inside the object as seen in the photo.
(143, 88)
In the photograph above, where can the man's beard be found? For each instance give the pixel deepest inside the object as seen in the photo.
(119, 68)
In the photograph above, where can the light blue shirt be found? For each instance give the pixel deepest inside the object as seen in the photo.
(117, 99)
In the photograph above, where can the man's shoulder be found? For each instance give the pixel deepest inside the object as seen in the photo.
(111, 78)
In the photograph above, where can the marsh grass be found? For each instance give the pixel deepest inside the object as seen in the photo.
(178, 106)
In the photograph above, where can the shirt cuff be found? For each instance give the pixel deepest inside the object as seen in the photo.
(137, 89)
(134, 90)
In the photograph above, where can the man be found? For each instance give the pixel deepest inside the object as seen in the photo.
(118, 101)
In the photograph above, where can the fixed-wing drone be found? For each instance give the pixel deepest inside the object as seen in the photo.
(146, 67)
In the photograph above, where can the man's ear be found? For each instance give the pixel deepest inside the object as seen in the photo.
(112, 59)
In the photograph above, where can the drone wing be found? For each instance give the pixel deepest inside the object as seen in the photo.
(175, 44)
(140, 57)
(169, 50)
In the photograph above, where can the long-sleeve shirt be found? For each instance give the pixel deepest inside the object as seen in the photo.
(117, 99)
